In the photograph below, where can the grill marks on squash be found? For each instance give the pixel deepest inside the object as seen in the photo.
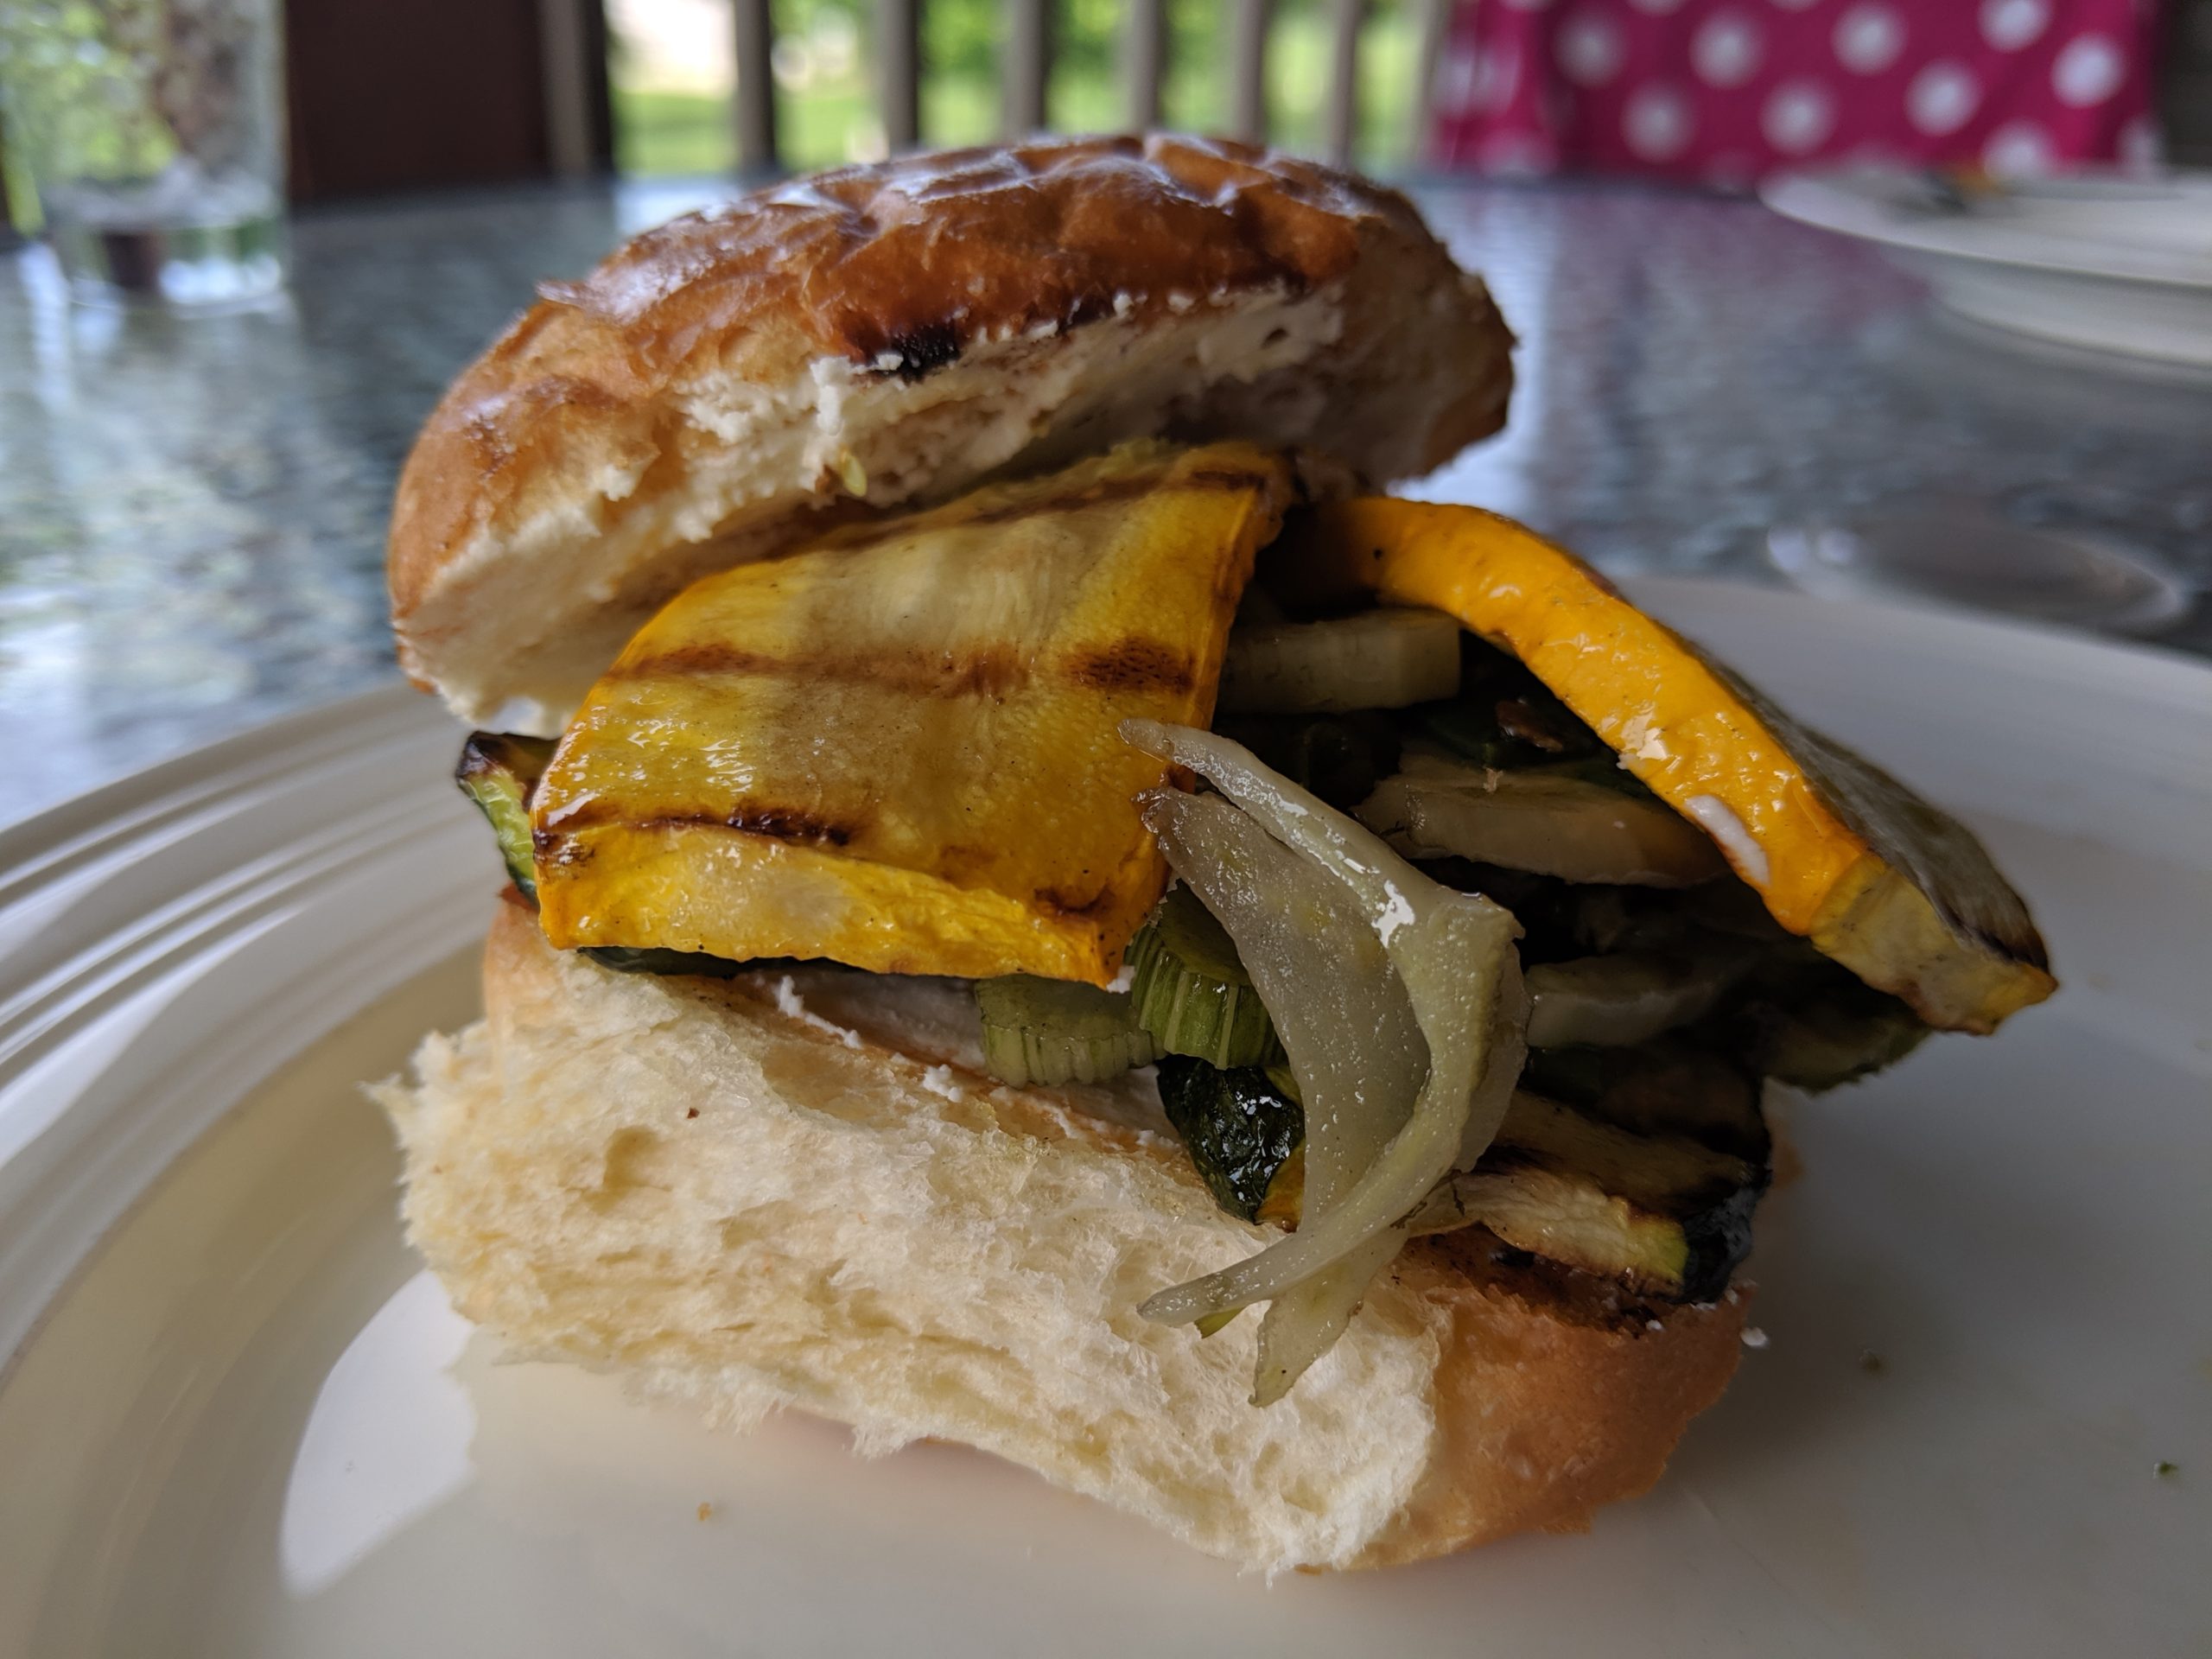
(1134, 663)
(988, 671)
(900, 749)
(792, 823)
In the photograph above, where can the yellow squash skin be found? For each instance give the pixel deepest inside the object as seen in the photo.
(1841, 852)
(898, 749)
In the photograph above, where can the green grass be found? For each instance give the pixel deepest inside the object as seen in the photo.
(658, 135)
(662, 133)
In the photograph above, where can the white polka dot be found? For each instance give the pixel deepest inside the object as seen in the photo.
(1726, 50)
(1942, 97)
(1455, 80)
(1590, 49)
(1656, 122)
(1495, 75)
(1868, 39)
(1656, 8)
(2008, 25)
(2088, 71)
(2019, 150)
(1797, 115)
(2141, 144)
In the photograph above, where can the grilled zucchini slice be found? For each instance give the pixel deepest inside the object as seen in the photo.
(902, 751)
(1244, 1134)
(1561, 1215)
(1665, 1214)
(1841, 853)
(497, 771)
(1823, 1040)
(1666, 1087)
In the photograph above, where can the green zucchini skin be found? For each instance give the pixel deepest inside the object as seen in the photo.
(1661, 1208)
(1505, 717)
(497, 771)
(1240, 1128)
(1718, 1236)
(1824, 1038)
(623, 959)
(1667, 1086)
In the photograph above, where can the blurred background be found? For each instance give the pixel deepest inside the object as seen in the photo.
(413, 94)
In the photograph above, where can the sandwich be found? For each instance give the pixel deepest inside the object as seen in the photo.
(1044, 910)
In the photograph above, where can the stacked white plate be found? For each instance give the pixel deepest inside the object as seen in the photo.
(2114, 262)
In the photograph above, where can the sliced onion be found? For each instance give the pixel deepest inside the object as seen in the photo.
(1388, 658)
(1325, 980)
(1545, 822)
(1622, 999)
(1304, 1323)
(1508, 1053)
(1452, 952)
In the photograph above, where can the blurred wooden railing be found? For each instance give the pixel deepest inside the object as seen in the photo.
(1025, 65)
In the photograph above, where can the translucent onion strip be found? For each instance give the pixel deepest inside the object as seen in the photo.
(1346, 1024)
(1452, 951)
(1304, 1323)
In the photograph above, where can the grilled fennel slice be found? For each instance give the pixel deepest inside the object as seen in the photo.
(1553, 820)
(898, 750)
(1385, 658)
(1666, 1213)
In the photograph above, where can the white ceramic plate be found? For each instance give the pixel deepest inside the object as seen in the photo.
(239, 1421)
(2115, 264)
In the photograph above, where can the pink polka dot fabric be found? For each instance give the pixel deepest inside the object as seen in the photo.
(1723, 91)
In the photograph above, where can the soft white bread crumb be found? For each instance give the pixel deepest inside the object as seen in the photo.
(726, 1198)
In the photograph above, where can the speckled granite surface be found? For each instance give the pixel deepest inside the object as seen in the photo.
(192, 510)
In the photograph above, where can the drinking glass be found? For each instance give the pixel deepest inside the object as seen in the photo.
(149, 135)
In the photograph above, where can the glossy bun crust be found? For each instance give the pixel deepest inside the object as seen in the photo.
(726, 385)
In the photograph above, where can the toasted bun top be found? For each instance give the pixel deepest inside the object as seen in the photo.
(736, 381)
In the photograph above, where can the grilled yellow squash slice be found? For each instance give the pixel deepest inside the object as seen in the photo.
(898, 749)
(1842, 853)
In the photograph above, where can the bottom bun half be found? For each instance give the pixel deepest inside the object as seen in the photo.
(800, 1191)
